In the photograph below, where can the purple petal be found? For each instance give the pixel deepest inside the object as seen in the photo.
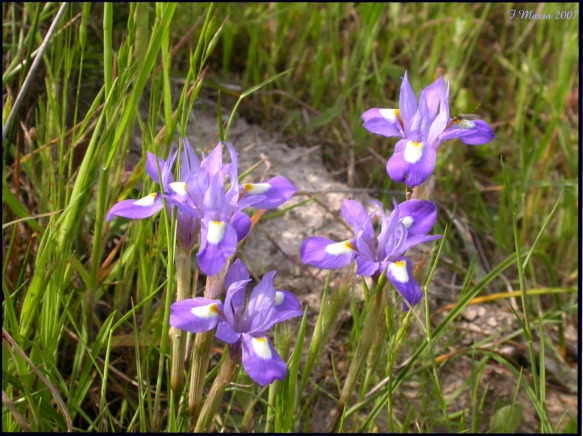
(355, 214)
(407, 101)
(235, 302)
(261, 361)
(400, 273)
(137, 209)
(234, 192)
(196, 315)
(237, 272)
(418, 216)
(197, 184)
(151, 167)
(262, 297)
(396, 165)
(365, 267)
(242, 224)
(433, 95)
(480, 134)
(226, 334)
(411, 163)
(383, 122)
(453, 133)
(419, 239)
(285, 300)
(187, 229)
(285, 306)
(327, 254)
(218, 243)
(214, 161)
(276, 191)
(215, 203)
(441, 121)
(189, 161)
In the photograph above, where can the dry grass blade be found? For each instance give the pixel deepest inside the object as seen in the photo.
(8, 403)
(33, 68)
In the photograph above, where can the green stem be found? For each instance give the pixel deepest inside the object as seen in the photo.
(223, 379)
(202, 347)
(183, 276)
(373, 321)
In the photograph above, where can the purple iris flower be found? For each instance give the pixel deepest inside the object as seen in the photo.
(208, 201)
(422, 127)
(242, 324)
(408, 225)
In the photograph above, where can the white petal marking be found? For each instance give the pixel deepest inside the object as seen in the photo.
(256, 188)
(464, 124)
(178, 188)
(205, 312)
(399, 271)
(339, 248)
(261, 348)
(216, 231)
(407, 221)
(413, 151)
(389, 114)
(147, 201)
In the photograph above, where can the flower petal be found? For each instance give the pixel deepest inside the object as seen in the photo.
(439, 124)
(262, 299)
(276, 191)
(152, 168)
(327, 254)
(187, 229)
(411, 163)
(396, 165)
(196, 315)
(261, 361)
(189, 161)
(285, 300)
(285, 306)
(365, 267)
(407, 101)
(418, 216)
(242, 224)
(400, 273)
(226, 334)
(236, 273)
(383, 122)
(137, 209)
(235, 302)
(481, 133)
(419, 239)
(218, 243)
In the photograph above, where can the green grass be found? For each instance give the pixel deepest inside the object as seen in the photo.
(86, 303)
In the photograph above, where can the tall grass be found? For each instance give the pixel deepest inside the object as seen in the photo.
(86, 302)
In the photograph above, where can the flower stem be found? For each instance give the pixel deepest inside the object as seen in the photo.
(202, 347)
(183, 276)
(369, 333)
(210, 406)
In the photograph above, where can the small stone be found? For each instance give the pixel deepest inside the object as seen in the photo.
(491, 321)
(471, 313)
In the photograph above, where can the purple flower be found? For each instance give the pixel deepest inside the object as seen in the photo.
(422, 127)
(208, 200)
(242, 326)
(408, 225)
(174, 192)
